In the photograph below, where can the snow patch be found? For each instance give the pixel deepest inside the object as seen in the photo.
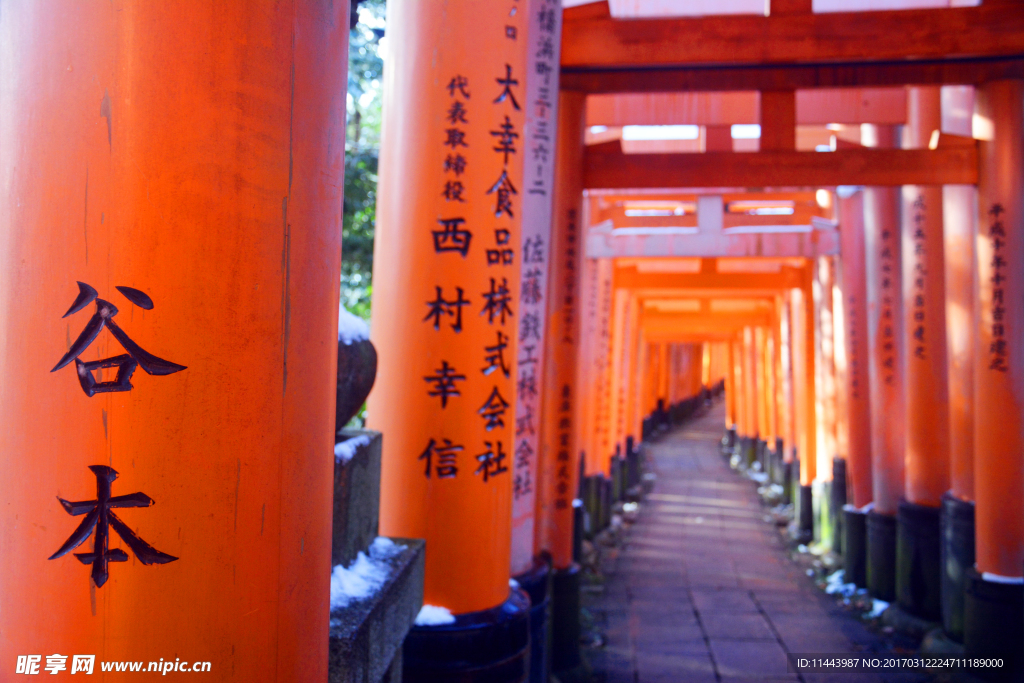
(432, 615)
(835, 584)
(346, 450)
(365, 576)
(351, 328)
(877, 607)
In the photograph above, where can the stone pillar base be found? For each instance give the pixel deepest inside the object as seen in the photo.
(537, 584)
(994, 625)
(490, 646)
(855, 546)
(567, 661)
(881, 566)
(957, 556)
(917, 561)
(805, 515)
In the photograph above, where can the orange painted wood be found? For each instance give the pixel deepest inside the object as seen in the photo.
(855, 73)
(607, 169)
(857, 339)
(465, 519)
(560, 394)
(195, 152)
(946, 33)
(924, 312)
(999, 414)
(959, 212)
(778, 120)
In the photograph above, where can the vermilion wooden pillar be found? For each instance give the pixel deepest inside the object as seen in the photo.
(193, 187)
(446, 312)
(557, 383)
(885, 372)
(924, 309)
(560, 432)
(855, 310)
(994, 592)
(957, 516)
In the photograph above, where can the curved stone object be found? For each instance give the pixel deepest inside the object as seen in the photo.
(357, 370)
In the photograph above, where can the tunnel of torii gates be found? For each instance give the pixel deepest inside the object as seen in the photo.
(547, 290)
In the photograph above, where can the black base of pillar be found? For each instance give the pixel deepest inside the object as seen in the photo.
(957, 525)
(490, 646)
(729, 440)
(616, 478)
(566, 659)
(881, 569)
(749, 451)
(791, 481)
(578, 524)
(994, 625)
(537, 584)
(838, 503)
(606, 503)
(918, 552)
(855, 546)
(805, 515)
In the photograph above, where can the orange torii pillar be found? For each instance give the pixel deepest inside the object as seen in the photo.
(784, 397)
(761, 377)
(883, 261)
(825, 404)
(857, 388)
(957, 516)
(561, 397)
(446, 317)
(927, 409)
(995, 587)
(731, 404)
(750, 397)
(170, 247)
(802, 311)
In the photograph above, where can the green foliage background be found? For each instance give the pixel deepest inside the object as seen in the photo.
(362, 148)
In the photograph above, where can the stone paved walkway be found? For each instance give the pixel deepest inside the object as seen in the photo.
(704, 590)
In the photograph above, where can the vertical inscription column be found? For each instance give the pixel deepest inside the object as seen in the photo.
(446, 315)
(541, 105)
(994, 590)
(927, 409)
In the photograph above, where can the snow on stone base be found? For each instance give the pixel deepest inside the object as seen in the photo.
(365, 576)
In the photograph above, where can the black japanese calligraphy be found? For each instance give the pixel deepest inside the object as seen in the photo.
(444, 383)
(497, 301)
(494, 356)
(453, 237)
(446, 453)
(442, 307)
(506, 83)
(491, 460)
(493, 410)
(125, 363)
(99, 517)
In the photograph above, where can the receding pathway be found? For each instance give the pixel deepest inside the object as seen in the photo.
(704, 590)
